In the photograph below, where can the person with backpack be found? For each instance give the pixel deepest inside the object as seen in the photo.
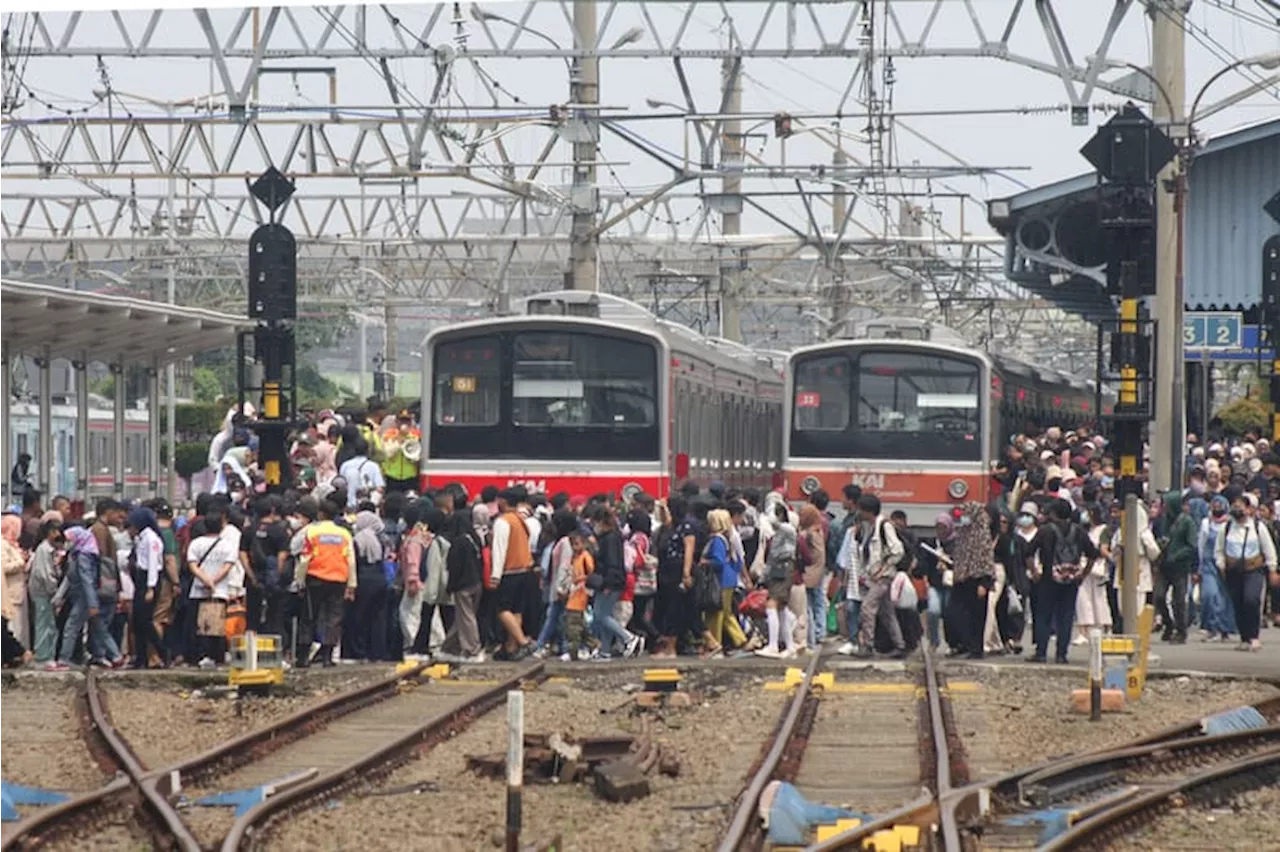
(780, 567)
(1061, 552)
(367, 637)
(84, 577)
(878, 550)
(559, 579)
(1180, 555)
(362, 475)
(464, 567)
(678, 546)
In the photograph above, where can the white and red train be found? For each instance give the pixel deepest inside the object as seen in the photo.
(909, 411)
(24, 437)
(586, 393)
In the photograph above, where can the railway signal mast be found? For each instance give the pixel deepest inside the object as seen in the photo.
(273, 302)
(1128, 152)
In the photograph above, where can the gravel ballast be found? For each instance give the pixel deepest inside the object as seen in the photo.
(1251, 823)
(1020, 717)
(717, 740)
(43, 746)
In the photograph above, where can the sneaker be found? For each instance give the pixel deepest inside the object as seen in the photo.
(1079, 640)
(771, 653)
(565, 658)
(583, 655)
(633, 645)
(208, 663)
(847, 649)
(789, 654)
(540, 654)
(442, 657)
(57, 666)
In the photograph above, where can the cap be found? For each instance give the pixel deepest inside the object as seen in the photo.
(1029, 508)
(404, 415)
(161, 507)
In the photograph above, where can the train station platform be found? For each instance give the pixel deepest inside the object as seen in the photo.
(47, 323)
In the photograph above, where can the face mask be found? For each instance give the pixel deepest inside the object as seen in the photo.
(1219, 513)
(1238, 514)
(1025, 521)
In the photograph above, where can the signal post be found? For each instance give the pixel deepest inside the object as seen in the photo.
(273, 302)
(1128, 152)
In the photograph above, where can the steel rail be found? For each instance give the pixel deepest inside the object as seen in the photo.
(1257, 769)
(180, 836)
(937, 808)
(947, 822)
(242, 833)
(1103, 762)
(159, 784)
(258, 742)
(745, 814)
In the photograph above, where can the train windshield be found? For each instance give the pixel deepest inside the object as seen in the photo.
(546, 394)
(573, 379)
(888, 405)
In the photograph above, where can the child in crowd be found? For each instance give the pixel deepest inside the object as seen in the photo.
(575, 615)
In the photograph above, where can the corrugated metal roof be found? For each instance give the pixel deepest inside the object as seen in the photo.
(1231, 177)
(1226, 225)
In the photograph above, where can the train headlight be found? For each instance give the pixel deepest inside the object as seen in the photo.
(958, 489)
(808, 485)
(630, 490)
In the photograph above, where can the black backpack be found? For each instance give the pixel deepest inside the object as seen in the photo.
(1067, 566)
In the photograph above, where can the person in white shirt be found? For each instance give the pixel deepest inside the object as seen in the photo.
(362, 474)
(214, 562)
(148, 566)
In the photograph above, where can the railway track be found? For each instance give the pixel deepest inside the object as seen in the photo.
(1081, 802)
(350, 738)
(887, 751)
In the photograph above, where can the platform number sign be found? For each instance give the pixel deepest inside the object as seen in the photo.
(1220, 330)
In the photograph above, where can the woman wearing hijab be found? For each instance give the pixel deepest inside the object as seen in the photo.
(973, 564)
(368, 614)
(1092, 607)
(146, 563)
(83, 567)
(1217, 618)
(12, 589)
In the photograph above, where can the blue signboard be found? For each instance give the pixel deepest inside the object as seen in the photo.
(1213, 330)
(1250, 348)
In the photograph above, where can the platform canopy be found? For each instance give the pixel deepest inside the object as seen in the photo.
(36, 319)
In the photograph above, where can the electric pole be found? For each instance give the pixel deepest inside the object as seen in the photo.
(839, 208)
(1168, 56)
(731, 199)
(583, 131)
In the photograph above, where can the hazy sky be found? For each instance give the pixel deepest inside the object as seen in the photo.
(1037, 148)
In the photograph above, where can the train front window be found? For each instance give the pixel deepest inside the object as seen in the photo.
(468, 382)
(822, 395)
(576, 380)
(887, 404)
(918, 394)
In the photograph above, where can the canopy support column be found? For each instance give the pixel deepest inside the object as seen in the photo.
(117, 467)
(45, 480)
(153, 430)
(84, 467)
(5, 405)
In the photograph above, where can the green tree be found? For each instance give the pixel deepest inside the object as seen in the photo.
(190, 459)
(1244, 414)
(208, 384)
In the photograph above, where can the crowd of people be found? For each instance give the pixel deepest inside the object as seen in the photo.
(353, 564)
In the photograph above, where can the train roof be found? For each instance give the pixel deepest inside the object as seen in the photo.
(608, 311)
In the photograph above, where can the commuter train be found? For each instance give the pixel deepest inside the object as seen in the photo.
(24, 437)
(587, 393)
(911, 412)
